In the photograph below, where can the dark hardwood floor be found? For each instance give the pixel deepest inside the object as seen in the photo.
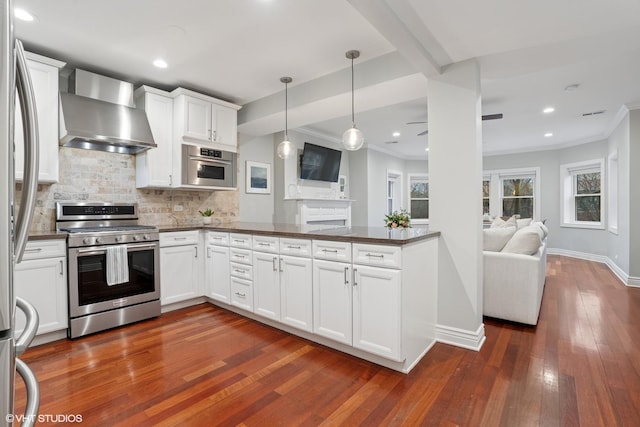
(207, 366)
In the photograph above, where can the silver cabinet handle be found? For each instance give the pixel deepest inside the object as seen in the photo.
(293, 247)
(346, 275)
(30, 329)
(263, 244)
(208, 252)
(179, 238)
(331, 251)
(196, 248)
(280, 264)
(33, 250)
(274, 264)
(61, 268)
(237, 270)
(31, 152)
(355, 277)
(238, 256)
(375, 256)
(215, 135)
(240, 294)
(33, 393)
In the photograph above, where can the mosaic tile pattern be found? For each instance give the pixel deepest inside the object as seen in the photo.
(96, 176)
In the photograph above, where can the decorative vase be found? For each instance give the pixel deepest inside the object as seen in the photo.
(206, 220)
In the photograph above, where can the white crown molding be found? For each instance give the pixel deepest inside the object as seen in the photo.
(620, 115)
(461, 337)
(633, 105)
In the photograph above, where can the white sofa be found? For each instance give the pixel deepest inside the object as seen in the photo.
(514, 282)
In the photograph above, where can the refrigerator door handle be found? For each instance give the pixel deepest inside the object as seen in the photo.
(30, 329)
(33, 393)
(31, 151)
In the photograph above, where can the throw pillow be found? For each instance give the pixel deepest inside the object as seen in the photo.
(521, 223)
(525, 241)
(494, 239)
(501, 223)
(545, 230)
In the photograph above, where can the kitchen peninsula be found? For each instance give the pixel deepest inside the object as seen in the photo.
(367, 291)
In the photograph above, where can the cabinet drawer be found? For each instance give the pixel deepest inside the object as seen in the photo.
(334, 251)
(240, 240)
(241, 293)
(178, 238)
(241, 256)
(295, 247)
(377, 255)
(243, 271)
(219, 238)
(265, 244)
(38, 249)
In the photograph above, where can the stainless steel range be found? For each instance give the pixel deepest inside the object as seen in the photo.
(114, 268)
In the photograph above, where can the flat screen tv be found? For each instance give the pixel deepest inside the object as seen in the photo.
(320, 163)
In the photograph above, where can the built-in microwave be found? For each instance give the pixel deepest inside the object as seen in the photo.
(207, 167)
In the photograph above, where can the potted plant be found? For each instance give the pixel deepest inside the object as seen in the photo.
(206, 216)
(397, 219)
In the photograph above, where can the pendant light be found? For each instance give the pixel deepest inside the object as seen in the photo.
(352, 139)
(285, 148)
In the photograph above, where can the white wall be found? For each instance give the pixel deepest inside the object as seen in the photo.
(634, 194)
(618, 244)
(255, 207)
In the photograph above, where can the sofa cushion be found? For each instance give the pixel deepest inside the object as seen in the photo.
(501, 223)
(495, 238)
(525, 241)
(521, 223)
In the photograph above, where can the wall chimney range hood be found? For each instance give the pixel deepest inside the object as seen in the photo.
(98, 114)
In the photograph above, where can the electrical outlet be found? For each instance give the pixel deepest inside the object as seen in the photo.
(178, 208)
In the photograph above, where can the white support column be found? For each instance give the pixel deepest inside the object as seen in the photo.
(455, 200)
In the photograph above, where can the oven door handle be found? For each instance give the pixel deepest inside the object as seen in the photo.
(200, 159)
(92, 251)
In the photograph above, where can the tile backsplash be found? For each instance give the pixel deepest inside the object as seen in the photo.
(96, 176)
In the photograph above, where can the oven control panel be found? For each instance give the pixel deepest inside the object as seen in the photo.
(78, 240)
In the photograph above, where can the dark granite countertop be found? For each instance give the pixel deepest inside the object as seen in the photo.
(47, 235)
(375, 235)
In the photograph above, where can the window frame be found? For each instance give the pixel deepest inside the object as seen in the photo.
(612, 191)
(395, 177)
(568, 174)
(410, 177)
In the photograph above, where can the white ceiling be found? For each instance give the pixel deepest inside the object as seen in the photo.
(237, 50)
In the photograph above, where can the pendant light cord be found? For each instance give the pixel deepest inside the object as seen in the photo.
(353, 119)
(286, 110)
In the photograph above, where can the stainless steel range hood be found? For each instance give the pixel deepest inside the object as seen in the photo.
(98, 114)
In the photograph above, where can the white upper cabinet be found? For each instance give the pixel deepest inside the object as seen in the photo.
(202, 119)
(44, 77)
(154, 166)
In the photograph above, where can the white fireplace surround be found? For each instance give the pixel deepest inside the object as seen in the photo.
(311, 212)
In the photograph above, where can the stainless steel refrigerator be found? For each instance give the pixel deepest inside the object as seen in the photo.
(14, 222)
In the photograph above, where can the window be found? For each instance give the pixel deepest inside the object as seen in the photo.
(486, 186)
(583, 194)
(511, 192)
(612, 191)
(419, 199)
(394, 194)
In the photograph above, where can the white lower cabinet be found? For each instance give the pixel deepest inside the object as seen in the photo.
(377, 303)
(217, 269)
(242, 293)
(266, 285)
(179, 258)
(41, 279)
(296, 292)
(332, 300)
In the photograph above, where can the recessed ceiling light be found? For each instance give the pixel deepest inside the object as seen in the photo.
(160, 63)
(396, 134)
(548, 110)
(23, 15)
(548, 135)
(426, 149)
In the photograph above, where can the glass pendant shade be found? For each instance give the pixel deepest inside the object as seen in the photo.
(352, 139)
(285, 149)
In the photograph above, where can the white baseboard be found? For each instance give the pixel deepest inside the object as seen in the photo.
(461, 337)
(624, 277)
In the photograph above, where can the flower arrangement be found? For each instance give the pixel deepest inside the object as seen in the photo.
(206, 213)
(398, 219)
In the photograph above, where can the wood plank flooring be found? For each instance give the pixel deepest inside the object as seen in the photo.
(205, 366)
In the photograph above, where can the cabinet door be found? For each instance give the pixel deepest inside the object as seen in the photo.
(332, 300)
(178, 273)
(197, 119)
(296, 292)
(376, 311)
(266, 285)
(218, 285)
(226, 126)
(43, 283)
(45, 85)
(153, 167)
